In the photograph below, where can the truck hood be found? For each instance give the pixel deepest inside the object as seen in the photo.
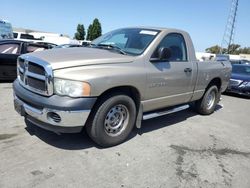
(240, 77)
(79, 56)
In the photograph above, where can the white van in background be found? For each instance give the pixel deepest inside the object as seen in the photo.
(25, 37)
(39, 36)
(6, 31)
(59, 40)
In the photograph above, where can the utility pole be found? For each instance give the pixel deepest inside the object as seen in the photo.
(230, 27)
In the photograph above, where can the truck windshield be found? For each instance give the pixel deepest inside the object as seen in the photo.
(127, 41)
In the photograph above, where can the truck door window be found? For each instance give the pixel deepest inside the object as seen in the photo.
(9, 48)
(33, 48)
(176, 43)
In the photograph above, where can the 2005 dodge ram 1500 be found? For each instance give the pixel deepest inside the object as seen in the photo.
(123, 77)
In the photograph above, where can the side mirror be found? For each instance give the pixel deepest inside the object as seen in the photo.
(164, 53)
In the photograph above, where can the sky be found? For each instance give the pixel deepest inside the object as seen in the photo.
(205, 20)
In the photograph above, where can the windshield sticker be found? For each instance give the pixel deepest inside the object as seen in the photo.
(147, 32)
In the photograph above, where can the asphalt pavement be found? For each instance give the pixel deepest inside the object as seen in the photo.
(177, 150)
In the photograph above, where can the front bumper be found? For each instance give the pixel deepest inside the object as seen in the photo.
(238, 90)
(55, 113)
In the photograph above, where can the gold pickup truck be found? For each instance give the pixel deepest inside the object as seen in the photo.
(121, 78)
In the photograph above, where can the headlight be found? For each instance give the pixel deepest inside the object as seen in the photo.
(71, 88)
(245, 84)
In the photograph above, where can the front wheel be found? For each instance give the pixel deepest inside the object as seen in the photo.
(206, 105)
(112, 120)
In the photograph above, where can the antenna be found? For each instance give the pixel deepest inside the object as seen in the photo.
(230, 27)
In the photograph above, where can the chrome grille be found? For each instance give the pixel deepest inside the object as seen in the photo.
(37, 69)
(234, 82)
(35, 75)
(36, 83)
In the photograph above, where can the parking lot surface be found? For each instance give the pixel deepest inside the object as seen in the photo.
(177, 150)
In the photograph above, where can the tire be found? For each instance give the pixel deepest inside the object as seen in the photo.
(206, 105)
(112, 120)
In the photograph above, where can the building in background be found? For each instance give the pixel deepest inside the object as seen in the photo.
(6, 31)
(245, 57)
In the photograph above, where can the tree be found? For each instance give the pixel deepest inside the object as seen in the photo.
(89, 32)
(94, 30)
(80, 32)
(233, 49)
(214, 49)
(245, 50)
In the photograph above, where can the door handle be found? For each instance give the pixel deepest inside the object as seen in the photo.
(187, 70)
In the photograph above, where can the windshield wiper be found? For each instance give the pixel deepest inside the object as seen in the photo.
(111, 46)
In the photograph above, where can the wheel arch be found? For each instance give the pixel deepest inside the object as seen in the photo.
(215, 81)
(131, 91)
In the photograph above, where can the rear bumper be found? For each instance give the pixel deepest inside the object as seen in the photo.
(55, 113)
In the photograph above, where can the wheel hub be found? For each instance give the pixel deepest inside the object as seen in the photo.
(116, 120)
(210, 99)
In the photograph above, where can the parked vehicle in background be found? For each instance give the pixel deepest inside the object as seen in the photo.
(39, 36)
(68, 46)
(123, 77)
(85, 42)
(241, 61)
(26, 37)
(240, 80)
(222, 57)
(9, 51)
(50, 45)
(6, 31)
(59, 40)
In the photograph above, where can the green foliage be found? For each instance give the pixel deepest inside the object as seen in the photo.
(94, 30)
(89, 32)
(245, 50)
(233, 49)
(214, 49)
(80, 33)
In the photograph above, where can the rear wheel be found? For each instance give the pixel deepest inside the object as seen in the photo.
(206, 105)
(112, 120)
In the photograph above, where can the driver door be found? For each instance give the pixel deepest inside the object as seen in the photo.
(170, 82)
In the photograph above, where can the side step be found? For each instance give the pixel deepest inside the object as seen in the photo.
(164, 112)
